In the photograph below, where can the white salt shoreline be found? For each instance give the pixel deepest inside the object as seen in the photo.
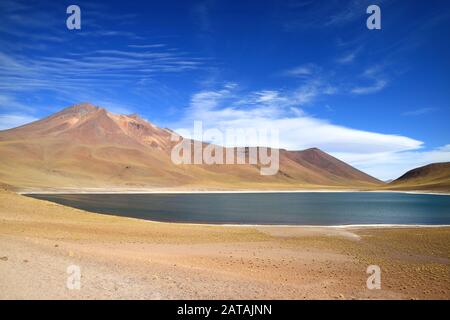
(343, 226)
(153, 191)
(300, 226)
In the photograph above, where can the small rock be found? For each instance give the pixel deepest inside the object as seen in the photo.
(4, 258)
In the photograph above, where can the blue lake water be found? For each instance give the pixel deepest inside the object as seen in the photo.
(308, 208)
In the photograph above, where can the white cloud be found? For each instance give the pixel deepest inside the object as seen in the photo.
(375, 87)
(267, 96)
(8, 121)
(302, 71)
(315, 82)
(348, 58)
(377, 78)
(9, 103)
(297, 111)
(391, 165)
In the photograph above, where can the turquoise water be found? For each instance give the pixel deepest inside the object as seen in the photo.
(309, 208)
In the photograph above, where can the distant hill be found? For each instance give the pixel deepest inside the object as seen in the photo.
(434, 176)
(87, 146)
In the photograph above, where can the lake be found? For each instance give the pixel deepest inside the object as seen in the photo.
(306, 208)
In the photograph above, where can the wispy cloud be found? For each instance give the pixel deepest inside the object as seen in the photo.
(9, 103)
(419, 112)
(74, 72)
(35, 63)
(378, 85)
(314, 84)
(110, 33)
(348, 57)
(85, 75)
(305, 70)
(376, 77)
(318, 81)
(8, 121)
(348, 11)
(328, 14)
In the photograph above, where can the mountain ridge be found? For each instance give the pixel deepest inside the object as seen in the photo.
(88, 146)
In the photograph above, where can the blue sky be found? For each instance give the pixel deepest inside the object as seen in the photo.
(378, 99)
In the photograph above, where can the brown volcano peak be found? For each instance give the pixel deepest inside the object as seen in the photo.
(81, 108)
(134, 116)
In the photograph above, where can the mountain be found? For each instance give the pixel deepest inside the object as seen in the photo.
(434, 176)
(87, 146)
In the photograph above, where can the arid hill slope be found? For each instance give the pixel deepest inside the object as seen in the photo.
(87, 146)
(435, 176)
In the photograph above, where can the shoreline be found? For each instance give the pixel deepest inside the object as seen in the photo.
(153, 191)
(303, 226)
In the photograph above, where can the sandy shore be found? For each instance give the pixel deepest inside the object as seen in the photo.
(123, 258)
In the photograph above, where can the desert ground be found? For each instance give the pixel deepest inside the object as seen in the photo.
(123, 258)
